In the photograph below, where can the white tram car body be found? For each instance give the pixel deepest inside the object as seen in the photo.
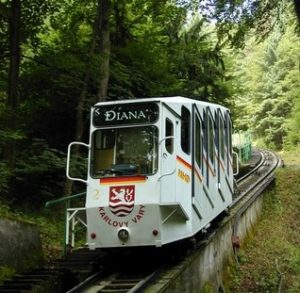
(160, 170)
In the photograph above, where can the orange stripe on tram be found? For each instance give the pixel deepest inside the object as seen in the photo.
(123, 180)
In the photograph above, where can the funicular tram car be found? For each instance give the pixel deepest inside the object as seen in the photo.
(160, 170)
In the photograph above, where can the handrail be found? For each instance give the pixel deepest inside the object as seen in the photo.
(66, 201)
(237, 164)
(68, 160)
(165, 155)
(63, 199)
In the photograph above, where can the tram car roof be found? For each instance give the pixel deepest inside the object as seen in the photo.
(176, 100)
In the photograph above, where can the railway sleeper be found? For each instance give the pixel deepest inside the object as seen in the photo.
(58, 277)
(17, 286)
(33, 282)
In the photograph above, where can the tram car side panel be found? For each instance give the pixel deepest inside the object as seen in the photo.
(175, 196)
(201, 158)
(160, 170)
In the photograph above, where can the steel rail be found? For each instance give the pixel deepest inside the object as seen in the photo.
(247, 177)
(143, 283)
(261, 181)
(115, 283)
(85, 283)
(261, 162)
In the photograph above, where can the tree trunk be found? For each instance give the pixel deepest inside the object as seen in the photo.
(9, 153)
(297, 10)
(102, 13)
(104, 50)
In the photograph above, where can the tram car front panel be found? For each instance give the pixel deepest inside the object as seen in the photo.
(159, 170)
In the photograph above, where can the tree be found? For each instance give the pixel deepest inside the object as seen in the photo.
(104, 49)
(293, 126)
(270, 76)
(19, 22)
(75, 54)
(100, 39)
(235, 18)
(297, 10)
(9, 153)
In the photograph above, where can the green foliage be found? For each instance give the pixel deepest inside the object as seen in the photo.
(269, 87)
(163, 55)
(39, 173)
(158, 48)
(5, 172)
(5, 175)
(207, 288)
(6, 273)
(50, 223)
(293, 125)
(79, 164)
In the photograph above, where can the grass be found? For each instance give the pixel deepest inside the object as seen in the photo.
(50, 223)
(6, 273)
(269, 261)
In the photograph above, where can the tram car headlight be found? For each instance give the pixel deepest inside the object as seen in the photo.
(123, 234)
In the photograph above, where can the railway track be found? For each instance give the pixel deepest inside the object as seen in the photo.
(95, 271)
(249, 187)
(258, 177)
(118, 282)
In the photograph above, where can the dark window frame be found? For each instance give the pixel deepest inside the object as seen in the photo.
(169, 131)
(185, 135)
(198, 142)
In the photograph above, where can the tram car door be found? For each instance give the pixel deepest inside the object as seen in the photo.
(167, 145)
(174, 204)
(198, 201)
(224, 154)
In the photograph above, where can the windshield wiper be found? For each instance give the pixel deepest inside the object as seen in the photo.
(124, 169)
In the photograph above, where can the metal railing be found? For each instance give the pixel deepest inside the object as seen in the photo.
(242, 144)
(73, 217)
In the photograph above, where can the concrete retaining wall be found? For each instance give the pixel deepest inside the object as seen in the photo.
(20, 245)
(203, 270)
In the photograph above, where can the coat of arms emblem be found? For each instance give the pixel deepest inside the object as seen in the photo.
(121, 200)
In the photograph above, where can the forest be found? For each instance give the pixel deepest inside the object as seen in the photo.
(60, 57)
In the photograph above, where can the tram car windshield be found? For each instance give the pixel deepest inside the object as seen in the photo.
(125, 151)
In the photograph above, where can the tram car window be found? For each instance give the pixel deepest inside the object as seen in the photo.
(211, 140)
(198, 143)
(185, 129)
(221, 137)
(125, 151)
(169, 136)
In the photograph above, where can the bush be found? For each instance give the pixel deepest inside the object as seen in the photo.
(39, 173)
(5, 176)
